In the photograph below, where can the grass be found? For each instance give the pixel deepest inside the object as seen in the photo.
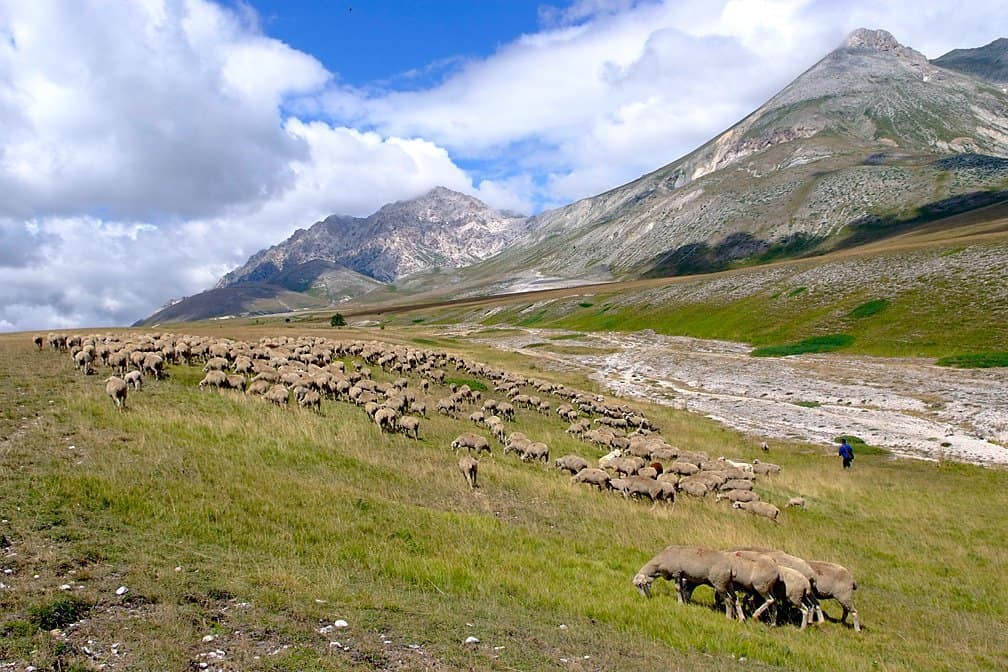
(281, 521)
(827, 343)
(807, 404)
(869, 308)
(977, 360)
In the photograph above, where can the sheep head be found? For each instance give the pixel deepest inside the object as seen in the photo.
(642, 582)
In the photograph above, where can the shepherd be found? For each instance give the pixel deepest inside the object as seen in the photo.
(846, 453)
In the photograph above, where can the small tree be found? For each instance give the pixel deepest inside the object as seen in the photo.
(337, 320)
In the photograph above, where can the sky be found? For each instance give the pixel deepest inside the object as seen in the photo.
(150, 146)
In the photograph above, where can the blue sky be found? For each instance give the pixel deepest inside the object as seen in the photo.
(151, 147)
(368, 42)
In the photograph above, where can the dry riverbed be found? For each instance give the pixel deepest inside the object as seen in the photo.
(909, 406)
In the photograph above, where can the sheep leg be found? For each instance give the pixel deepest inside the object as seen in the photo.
(739, 612)
(804, 615)
(768, 602)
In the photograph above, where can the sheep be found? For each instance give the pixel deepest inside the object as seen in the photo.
(409, 424)
(469, 468)
(134, 378)
(419, 407)
(765, 509)
(213, 379)
(235, 382)
(445, 406)
(794, 585)
(385, 418)
(116, 388)
(258, 387)
(797, 564)
(765, 468)
(310, 399)
(744, 466)
(37, 340)
(693, 488)
(477, 417)
(506, 410)
(736, 484)
(571, 463)
(153, 363)
(535, 451)
(596, 477)
(753, 573)
(682, 468)
(648, 487)
(277, 394)
(737, 496)
(471, 442)
(798, 502)
(689, 567)
(833, 581)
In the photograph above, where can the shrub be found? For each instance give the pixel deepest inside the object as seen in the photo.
(337, 320)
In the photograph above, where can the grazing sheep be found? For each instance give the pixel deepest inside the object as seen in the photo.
(153, 363)
(409, 425)
(37, 340)
(134, 378)
(792, 585)
(755, 574)
(682, 468)
(506, 410)
(737, 496)
(310, 399)
(419, 407)
(744, 466)
(798, 502)
(445, 406)
(258, 387)
(736, 484)
(385, 418)
(535, 450)
(469, 468)
(277, 394)
(471, 442)
(689, 567)
(648, 472)
(477, 417)
(765, 468)
(765, 509)
(213, 379)
(571, 463)
(597, 477)
(116, 388)
(833, 581)
(693, 488)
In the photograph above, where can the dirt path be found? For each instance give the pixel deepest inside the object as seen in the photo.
(908, 406)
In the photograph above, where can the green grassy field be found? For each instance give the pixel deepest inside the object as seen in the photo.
(258, 526)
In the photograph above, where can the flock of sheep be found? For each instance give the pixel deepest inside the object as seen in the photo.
(766, 578)
(639, 463)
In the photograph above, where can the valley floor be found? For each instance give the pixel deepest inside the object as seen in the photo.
(909, 406)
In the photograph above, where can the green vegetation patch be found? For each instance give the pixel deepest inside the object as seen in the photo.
(59, 613)
(586, 304)
(797, 291)
(860, 447)
(826, 343)
(870, 308)
(977, 360)
(807, 404)
(471, 382)
(566, 337)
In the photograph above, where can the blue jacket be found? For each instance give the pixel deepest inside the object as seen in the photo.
(846, 451)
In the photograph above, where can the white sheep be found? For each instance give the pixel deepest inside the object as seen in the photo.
(765, 509)
(134, 378)
(833, 581)
(688, 567)
(116, 388)
(571, 463)
(469, 468)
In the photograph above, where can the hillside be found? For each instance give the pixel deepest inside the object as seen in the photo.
(202, 527)
(988, 62)
(870, 140)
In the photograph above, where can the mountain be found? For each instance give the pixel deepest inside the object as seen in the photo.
(868, 141)
(344, 257)
(989, 62)
(441, 229)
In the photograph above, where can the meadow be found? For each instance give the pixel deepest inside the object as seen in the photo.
(243, 532)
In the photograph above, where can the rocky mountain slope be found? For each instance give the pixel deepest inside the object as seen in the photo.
(343, 257)
(988, 62)
(441, 229)
(868, 141)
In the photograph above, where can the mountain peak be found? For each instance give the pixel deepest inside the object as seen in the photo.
(988, 62)
(878, 39)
